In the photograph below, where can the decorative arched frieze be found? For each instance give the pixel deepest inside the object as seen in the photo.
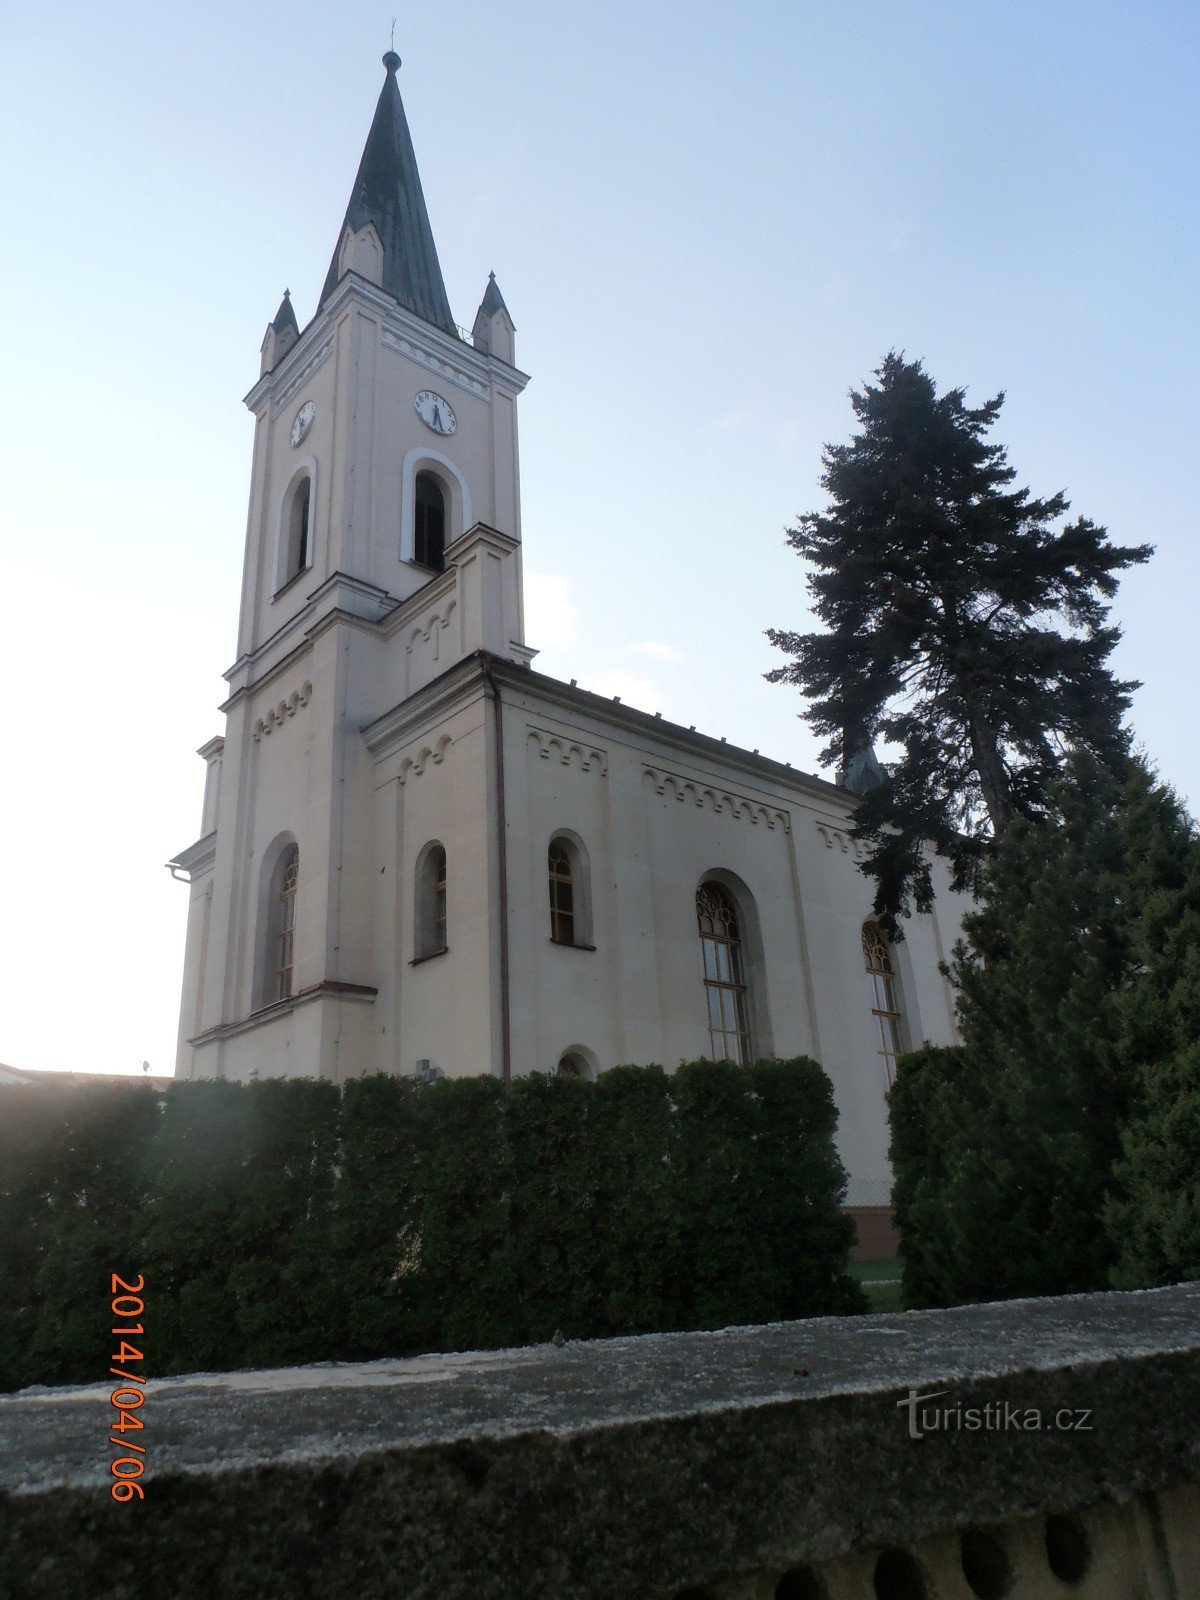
(431, 627)
(587, 757)
(719, 800)
(425, 356)
(839, 838)
(414, 766)
(278, 715)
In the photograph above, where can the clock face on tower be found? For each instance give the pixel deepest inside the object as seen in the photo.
(302, 422)
(435, 412)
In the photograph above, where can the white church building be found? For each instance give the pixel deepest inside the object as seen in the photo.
(418, 854)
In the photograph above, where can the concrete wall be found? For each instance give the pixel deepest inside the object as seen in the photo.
(775, 1463)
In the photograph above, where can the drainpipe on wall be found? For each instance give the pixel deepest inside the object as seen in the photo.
(498, 715)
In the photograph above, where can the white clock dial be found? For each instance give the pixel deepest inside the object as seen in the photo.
(302, 422)
(435, 412)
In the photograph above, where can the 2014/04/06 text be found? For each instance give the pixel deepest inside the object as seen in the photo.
(127, 1399)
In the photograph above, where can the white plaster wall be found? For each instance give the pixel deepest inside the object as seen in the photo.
(651, 837)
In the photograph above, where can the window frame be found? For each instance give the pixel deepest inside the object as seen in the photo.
(578, 881)
(431, 903)
(886, 995)
(421, 550)
(285, 924)
(724, 965)
(296, 537)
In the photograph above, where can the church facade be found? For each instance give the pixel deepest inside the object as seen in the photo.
(420, 855)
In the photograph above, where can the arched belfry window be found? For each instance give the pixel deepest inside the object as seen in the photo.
(429, 524)
(725, 990)
(431, 919)
(302, 518)
(285, 924)
(885, 997)
(296, 552)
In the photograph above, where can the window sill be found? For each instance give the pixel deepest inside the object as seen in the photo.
(303, 573)
(565, 944)
(430, 955)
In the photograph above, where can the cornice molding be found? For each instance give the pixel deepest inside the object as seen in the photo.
(327, 989)
(462, 683)
(570, 698)
(353, 598)
(481, 533)
(196, 860)
(455, 688)
(441, 366)
(281, 399)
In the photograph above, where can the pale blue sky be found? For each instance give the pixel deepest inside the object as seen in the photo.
(708, 225)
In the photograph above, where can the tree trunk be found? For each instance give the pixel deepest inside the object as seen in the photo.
(990, 768)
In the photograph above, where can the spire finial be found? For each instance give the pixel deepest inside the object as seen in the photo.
(391, 60)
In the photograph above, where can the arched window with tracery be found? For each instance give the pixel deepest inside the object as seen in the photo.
(429, 524)
(285, 925)
(885, 997)
(725, 990)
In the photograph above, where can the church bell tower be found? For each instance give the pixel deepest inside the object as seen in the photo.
(382, 547)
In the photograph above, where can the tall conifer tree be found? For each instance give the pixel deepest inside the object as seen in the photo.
(962, 626)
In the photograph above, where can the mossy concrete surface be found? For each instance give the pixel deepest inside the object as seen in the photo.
(629, 1467)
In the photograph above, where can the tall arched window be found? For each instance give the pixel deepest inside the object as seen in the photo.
(285, 924)
(724, 975)
(569, 879)
(429, 531)
(302, 517)
(562, 895)
(431, 902)
(296, 537)
(885, 997)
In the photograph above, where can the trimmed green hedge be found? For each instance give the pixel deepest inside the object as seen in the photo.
(288, 1221)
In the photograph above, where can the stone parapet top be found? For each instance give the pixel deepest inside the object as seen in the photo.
(623, 1467)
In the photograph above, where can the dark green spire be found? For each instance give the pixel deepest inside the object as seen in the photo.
(493, 300)
(387, 192)
(285, 317)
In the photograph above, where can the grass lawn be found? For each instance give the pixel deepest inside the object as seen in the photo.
(881, 1281)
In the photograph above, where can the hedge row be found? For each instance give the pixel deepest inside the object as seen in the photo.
(288, 1221)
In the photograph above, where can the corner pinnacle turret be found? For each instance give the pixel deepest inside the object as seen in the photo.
(387, 195)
